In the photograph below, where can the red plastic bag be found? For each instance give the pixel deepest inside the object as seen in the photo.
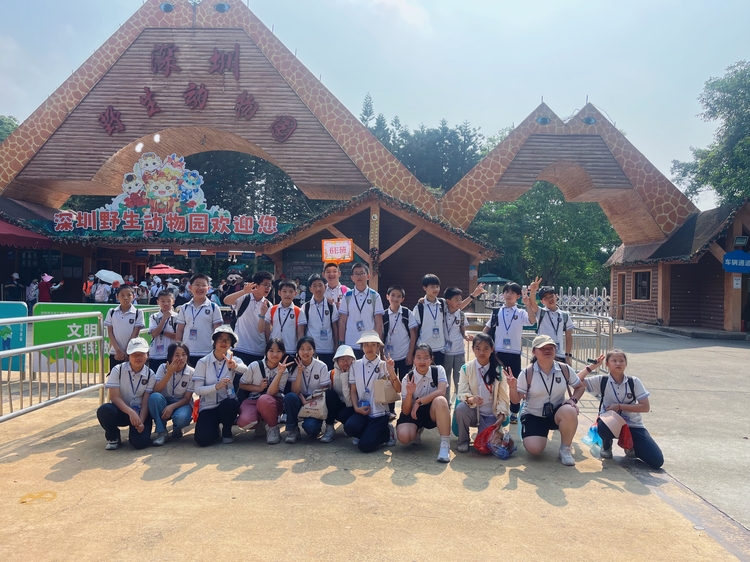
(482, 440)
(626, 438)
(196, 407)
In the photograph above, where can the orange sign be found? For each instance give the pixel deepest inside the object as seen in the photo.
(338, 250)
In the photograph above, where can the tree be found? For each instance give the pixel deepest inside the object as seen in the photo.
(368, 112)
(724, 166)
(8, 124)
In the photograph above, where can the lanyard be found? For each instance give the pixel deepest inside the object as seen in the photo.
(450, 322)
(219, 372)
(512, 318)
(552, 383)
(137, 386)
(395, 325)
(614, 389)
(482, 370)
(195, 314)
(559, 319)
(307, 379)
(434, 315)
(176, 381)
(321, 312)
(356, 302)
(290, 311)
(367, 382)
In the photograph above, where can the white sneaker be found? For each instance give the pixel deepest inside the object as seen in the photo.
(355, 441)
(273, 437)
(418, 438)
(112, 445)
(462, 448)
(445, 452)
(292, 435)
(161, 438)
(392, 434)
(565, 456)
(329, 435)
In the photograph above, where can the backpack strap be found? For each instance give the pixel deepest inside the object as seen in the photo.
(434, 371)
(494, 318)
(564, 368)
(529, 376)
(565, 318)
(539, 319)
(274, 308)
(631, 384)
(243, 307)
(405, 318)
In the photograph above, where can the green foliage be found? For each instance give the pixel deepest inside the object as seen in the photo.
(86, 202)
(8, 124)
(724, 166)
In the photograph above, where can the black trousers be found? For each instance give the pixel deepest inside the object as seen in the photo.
(111, 418)
(337, 410)
(512, 360)
(207, 426)
(371, 432)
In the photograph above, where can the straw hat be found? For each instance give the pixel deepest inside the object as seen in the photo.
(613, 421)
(370, 336)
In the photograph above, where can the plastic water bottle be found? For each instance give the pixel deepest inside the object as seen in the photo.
(230, 388)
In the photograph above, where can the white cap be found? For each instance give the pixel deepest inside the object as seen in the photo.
(137, 344)
(15, 276)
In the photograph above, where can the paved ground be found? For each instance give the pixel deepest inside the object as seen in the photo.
(63, 496)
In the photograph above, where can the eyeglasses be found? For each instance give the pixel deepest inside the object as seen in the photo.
(360, 274)
(266, 285)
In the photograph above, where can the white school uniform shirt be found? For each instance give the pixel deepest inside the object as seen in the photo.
(250, 340)
(546, 388)
(284, 326)
(336, 293)
(398, 337)
(484, 393)
(160, 344)
(619, 394)
(199, 326)
(433, 324)
(360, 307)
(454, 339)
(510, 323)
(208, 371)
(180, 383)
(122, 324)
(314, 377)
(423, 382)
(320, 324)
(552, 326)
(255, 377)
(364, 373)
(132, 384)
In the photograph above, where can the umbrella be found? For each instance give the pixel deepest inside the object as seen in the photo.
(110, 276)
(493, 279)
(163, 269)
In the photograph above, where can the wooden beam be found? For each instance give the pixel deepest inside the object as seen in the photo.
(716, 250)
(398, 245)
(744, 217)
(357, 250)
(732, 296)
(663, 297)
(374, 240)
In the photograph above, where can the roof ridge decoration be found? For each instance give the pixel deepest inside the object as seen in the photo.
(376, 163)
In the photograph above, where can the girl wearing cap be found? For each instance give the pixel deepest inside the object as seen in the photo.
(213, 378)
(482, 391)
(310, 376)
(626, 399)
(423, 403)
(173, 393)
(548, 404)
(130, 385)
(338, 397)
(368, 425)
(265, 381)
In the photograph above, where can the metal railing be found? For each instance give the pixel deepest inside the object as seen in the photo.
(49, 373)
(632, 314)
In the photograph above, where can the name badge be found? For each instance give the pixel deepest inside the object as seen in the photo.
(159, 349)
(360, 325)
(193, 334)
(436, 332)
(448, 345)
(324, 335)
(506, 343)
(389, 350)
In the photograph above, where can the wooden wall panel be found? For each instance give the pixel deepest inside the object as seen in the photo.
(684, 289)
(711, 291)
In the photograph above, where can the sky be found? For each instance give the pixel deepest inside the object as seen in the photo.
(489, 62)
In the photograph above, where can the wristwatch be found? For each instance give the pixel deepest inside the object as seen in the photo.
(568, 355)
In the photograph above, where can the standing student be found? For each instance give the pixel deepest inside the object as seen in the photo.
(398, 338)
(482, 392)
(213, 378)
(335, 291)
(423, 403)
(506, 328)
(319, 319)
(197, 320)
(281, 320)
(264, 382)
(123, 323)
(369, 424)
(455, 336)
(360, 311)
(553, 322)
(130, 384)
(247, 304)
(310, 376)
(172, 397)
(162, 327)
(339, 397)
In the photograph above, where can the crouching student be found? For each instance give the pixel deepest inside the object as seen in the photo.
(339, 396)
(310, 376)
(213, 378)
(130, 384)
(423, 403)
(172, 398)
(483, 394)
(368, 425)
(627, 397)
(548, 405)
(265, 381)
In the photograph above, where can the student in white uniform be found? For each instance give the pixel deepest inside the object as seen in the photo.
(427, 321)
(482, 392)
(129, 384)
(319, 319)
(548, 403)
(123, 323)
(423, 403)
(554, 323)
(368, 425)
(213, 378)
(197, 320)
(162, 327)
(247, 305)
(311, 375)
(455, 336)
(172, 397)
(628, 398)
(398, 338)
(335, 291)
(339, 396)
(360, 311)
(281, 320)
(264, 384)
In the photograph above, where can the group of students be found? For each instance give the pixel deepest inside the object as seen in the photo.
(277, 363)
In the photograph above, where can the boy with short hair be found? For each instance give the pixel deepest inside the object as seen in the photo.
(247, 304)
(427, 321)
(361, 310)
(455, 335)
(399, 339)
(334, 291)
(162, 327)
(198, 319)
(281, 320)
(123, 323)
(319, 319)
(554, 323)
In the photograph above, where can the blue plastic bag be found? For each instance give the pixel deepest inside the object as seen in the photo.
(592, 437)
(454, 425)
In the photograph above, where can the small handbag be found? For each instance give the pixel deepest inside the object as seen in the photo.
(315, 407)
(384, 392)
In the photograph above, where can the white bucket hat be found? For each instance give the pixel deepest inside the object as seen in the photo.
(344, 351)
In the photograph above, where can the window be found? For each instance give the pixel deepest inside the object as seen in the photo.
(641, 285)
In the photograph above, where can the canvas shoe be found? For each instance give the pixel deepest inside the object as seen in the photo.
(227, 440)
(177, 433)
(274, 435)
(630, 453)
(329, 435)
(565, 456)
(161, 438)
(445, 452)
(418, 438)
(260, 429)
(606, 453)
(292, 435)
(355, 441)
(462, 447)
(391, 435)
(112, 445)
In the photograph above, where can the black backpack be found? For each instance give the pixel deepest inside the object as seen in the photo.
(564, 317)
(434, 371)
(387, 321)
(234, 316)
(420, 307)
(603, 388)
(306, 307)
